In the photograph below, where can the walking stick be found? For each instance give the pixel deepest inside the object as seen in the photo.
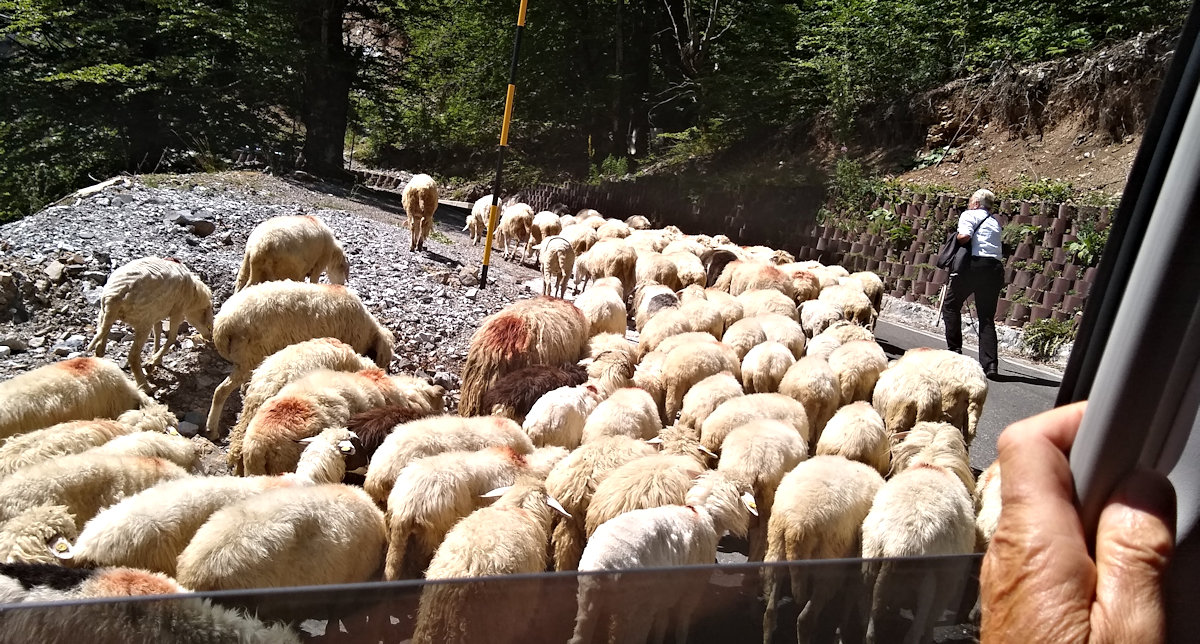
(941, 303)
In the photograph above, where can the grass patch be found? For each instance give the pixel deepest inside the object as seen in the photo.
(440, 237)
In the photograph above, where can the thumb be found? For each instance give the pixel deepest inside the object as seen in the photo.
(1134, 540)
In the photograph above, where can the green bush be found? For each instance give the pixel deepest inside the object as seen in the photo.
(1089, 244)
(1039, 190)
(1044, 338)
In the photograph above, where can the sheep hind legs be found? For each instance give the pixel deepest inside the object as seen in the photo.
(212, 426)
(172, 334)
(107, 318)
(140, 335)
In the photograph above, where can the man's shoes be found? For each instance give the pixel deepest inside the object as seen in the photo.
(993, 374)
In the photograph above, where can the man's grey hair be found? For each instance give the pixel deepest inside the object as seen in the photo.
(982, 199)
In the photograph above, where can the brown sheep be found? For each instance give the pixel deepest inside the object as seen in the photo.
(514, 393)
(420, 201)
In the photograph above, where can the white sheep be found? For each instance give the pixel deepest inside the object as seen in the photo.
(987, 506)
(689, 364)
(477, 221)
(431, 494)
(657, 268)
(673, 535)
(872, 286)
(905, 396)
(638, 222)
(293, 536)
(325, 399)
(629, 411)
(169, 447)
(857, 364)
(613, 229)
(558, 417)
(607, 258)
(604, 307)
(693, 317)
(611, 368)
(74, 389)
(573, 481)
(647, 482)
(924, 510)
(557, 258)
(736, 412)
(582, 238)
(816, 316)
(813, 383)
(818, 514)
(649, 298)
(748, 332)
(437, 435)
(283, 367)
(262, 319)
(741, 276)
(854, 304)
(506, 538)
(705, 396)
(761, 452)
(64, 439)
(142, 293)
(805, 284)
(40, 535)
(688, 269)
(835, 335)
(545, 225)
(151, 528)
(514, 228)
(765, 366)
(292, 247)
(963, 385)
(420, 197)
(764, 301)
(857, 432)
(82, 483)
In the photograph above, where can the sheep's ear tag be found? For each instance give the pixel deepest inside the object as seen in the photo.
(553, 502)
(708, 452)
(748, 499)
(171, 431)
(61, 548)
(496, 492)
(657, 440)
(346, 447)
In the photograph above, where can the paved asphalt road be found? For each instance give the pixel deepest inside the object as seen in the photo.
(1021, 391)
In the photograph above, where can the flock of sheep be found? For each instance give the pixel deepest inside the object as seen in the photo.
(755, 401)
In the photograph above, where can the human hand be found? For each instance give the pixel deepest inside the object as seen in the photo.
(1038, 583)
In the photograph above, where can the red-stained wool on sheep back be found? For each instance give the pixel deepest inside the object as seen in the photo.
(124, 582)
(515, 457)
(376, 376)
(288, 412)
(507, 335)
(78, 366)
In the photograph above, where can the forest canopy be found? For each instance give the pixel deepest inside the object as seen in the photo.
(95, 88)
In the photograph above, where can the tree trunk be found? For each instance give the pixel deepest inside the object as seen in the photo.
(328, 74)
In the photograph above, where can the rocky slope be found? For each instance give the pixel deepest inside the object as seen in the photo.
(53, 266)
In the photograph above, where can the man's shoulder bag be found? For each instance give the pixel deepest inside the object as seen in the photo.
(953, 255)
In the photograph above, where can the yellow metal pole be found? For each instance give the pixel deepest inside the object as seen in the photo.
(494, 210)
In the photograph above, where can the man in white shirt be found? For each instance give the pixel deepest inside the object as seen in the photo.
(983, 277)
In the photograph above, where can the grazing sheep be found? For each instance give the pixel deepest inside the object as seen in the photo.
(922, 511)
(325, 399)
(818, 514)
(688, 269)
(437, 435)
(608, 258)
(573, 481)
(813, 383)
(588, 213)
(730, 308)
(687, 365)
(816, 316)
(151, 528)
(545, 225)
(603, 306)
(705, 396)
(655, 267)
(64, 439)
(612, 368)
(142, 293)
(872, 286)
(431, 494)
(672, 535)
(613, 229)
(685, 245)
(761, 452)
(648, 376)
(262, 319)
(857, 432)
(738, 411)
(374, 425)
(558, 417)
(506, 538)
(82, 483)
(749, 332)
(557, 258)
(647, 482)
(292, 247)
(283, 367)
(514, 227)
(962, 383)
(987, 506)
(582, 238)
(835, 335)
(41, 535)
(293, 536)
(477, 221)
(806, 285)
(764, 367)
(629, 411)
(857, 364)
(853, 303)
(740, 277)
(530, 332)
(74, 389)
(637, 222)
(169, 447)
(715, 262)
(515, 393)
(72, 618)
(694, 316)
(649, 298)
(903, 397)
(765, 301)
(420, 198)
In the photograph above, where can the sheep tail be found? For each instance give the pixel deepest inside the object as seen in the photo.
(243, 276)
(974, 410)
(568, 540)
(254, 461)
(236, 435)
(400, 533)
(150, 417)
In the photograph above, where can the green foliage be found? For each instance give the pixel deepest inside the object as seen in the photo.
(1039, 190)
(1043, 338)
(610, 168)
(1014, 233)
(440, 237)
(1089, 244)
